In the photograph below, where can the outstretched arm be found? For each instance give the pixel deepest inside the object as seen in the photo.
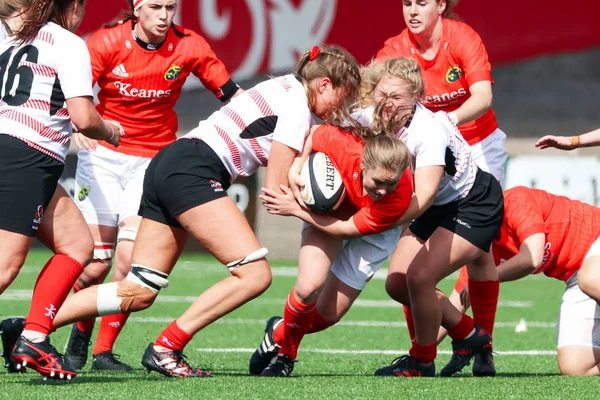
(570, 142)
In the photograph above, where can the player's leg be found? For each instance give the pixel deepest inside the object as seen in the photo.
(578, 336)
(129, 222)
(461, 305)
(65, 232)
(226, 234)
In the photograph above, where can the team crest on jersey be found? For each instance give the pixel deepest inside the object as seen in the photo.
(173, 72)
(453, 74)
(83, 193)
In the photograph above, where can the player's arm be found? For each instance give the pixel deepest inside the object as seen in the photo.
(85, 117)
(427, 182)
(570, 142)
(285, 204)
(478, 104)
(527, 261)
(281, 159)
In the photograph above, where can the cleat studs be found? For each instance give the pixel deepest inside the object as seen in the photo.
(24, 363)
(69, 377)
(61, 376)
(45, 378)
(52, 374)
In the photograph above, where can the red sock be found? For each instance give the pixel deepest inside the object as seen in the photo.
(85, 325)
(110, 327)
(410, 323)
(316, 324)
(484, 301)
(463, 280)
(462, 329)
(425, 354)
(173, 337)
(50, 292)
(296, 318)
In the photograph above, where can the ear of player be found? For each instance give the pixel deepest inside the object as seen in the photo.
(323, 187)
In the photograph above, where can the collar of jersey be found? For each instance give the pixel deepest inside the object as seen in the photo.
(142, 44)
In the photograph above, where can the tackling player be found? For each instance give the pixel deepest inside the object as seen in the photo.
(140, 65)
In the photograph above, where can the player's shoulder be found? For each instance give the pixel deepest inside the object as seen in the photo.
(110, 36)
(188, 36)
(59, 37)
(458, 31)
(400, 44)
(522, 195)
(423, 119)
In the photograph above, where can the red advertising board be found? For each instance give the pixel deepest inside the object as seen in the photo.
(258, 36)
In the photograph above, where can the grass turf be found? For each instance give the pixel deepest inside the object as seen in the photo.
(336, 363)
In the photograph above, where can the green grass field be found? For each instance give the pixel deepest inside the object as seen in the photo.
(336, 363)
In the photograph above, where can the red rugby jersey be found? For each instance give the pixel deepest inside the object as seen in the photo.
(570, 227)
(139, 87)
(345, 151)
(460, 61)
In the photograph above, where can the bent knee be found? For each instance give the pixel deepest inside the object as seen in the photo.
(396, 288)
(307, 290)
(257, 277)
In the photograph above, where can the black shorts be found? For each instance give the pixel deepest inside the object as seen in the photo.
(183, 175)
(476, 218)
(28, 179)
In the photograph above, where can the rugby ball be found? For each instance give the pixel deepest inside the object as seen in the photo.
(323, 188)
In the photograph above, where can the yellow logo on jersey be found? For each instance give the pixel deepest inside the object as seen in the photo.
(172, 73)
(83, 193)
(453, 74)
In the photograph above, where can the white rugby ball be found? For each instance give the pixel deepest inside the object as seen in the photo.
(323, 187)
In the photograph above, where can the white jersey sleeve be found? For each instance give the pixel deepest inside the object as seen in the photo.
(291, 121)
(73, 66)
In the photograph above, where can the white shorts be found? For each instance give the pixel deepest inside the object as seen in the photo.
(579, 317)
(491, 155)
(362, 257)
(109, 185)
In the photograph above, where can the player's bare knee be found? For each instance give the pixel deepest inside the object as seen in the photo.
(307, 292)
(395, 286)
(257, 276)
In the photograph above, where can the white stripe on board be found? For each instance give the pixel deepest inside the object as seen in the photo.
(19, 295)
(384, 352)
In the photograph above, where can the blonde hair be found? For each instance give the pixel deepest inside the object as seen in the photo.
(340, 67)
(405, 69)
(36, 13)
(386, 152)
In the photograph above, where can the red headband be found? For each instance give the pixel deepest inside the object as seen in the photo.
(314, 52)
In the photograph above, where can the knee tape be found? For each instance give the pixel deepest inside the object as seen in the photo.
(127, 233)
(141, 283)
(254, 256)
(104, 252)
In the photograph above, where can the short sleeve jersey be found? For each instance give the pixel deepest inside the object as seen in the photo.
(570, 227)
(433, 140)
(35, 80)
(241, 133)
(139, 87)
(345, 151)
(461, 61)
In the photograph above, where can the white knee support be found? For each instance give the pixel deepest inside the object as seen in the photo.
(127, 233)
(104, 252)
(142, 282)
(254, 256)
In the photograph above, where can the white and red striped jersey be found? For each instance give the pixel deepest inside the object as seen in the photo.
(241, 132)
(35, 80)
(433, 139)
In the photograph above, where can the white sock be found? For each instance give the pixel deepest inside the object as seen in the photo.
(33, 336)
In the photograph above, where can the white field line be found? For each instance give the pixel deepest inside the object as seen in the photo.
(22, 295)
(368, 324)
(378, 352)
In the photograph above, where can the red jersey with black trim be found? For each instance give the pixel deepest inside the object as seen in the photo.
(570, 226)
(460, 61)
(345, 151)
(139, 87)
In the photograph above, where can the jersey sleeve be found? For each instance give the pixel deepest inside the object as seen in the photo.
(433, 141)
(73, 67)
(211, 71)
(384, 213)
(323, 137)
(293, 124)
(524, 215)
(98, 51)
(470, 51)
